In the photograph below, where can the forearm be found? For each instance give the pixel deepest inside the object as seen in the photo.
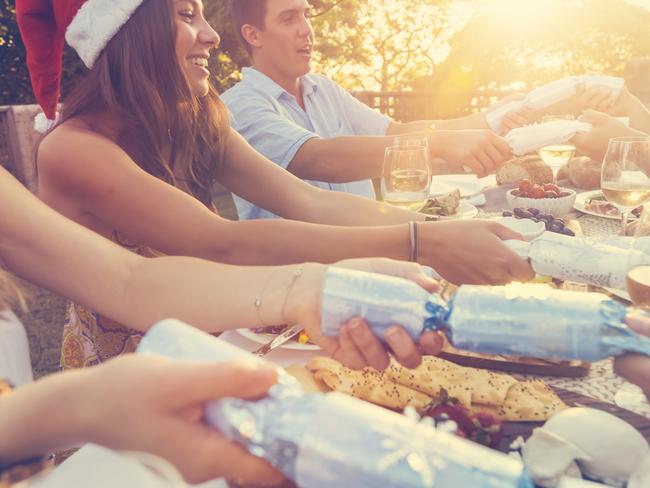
(216, 297)
(40, 417)
(340, 159)
(473, 121)
(640, 117)
(325, 208)
(277, 242)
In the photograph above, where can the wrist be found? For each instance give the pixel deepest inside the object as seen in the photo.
(303, 301)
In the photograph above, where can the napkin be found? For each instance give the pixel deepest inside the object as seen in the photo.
(530, 138)
(552, 93)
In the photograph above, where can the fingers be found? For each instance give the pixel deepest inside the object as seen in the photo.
(409, 271)
(202, 454)
(197, 382)
(431, 343)
(636, 369)
(403, 347)
(372, 350)
(639, 322)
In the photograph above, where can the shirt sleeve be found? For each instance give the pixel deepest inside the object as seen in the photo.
(365, 121)
(268, 131)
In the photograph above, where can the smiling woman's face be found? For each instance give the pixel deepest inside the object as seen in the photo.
(195, 39)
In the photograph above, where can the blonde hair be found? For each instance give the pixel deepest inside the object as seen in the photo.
(10, 293)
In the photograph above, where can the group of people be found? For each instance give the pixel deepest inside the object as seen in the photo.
(124, 224)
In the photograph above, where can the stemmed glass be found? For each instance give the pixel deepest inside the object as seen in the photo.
(638, 287)
(624, 178)
(406, 176)
(557, 155)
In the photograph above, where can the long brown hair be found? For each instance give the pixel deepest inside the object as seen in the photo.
(10, 294)
(164, 127)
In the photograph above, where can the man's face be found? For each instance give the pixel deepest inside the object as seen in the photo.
(287, 38)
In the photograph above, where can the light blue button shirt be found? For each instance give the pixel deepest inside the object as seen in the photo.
(273, 122)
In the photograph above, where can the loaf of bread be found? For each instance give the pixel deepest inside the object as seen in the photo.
(530, 166)
(582, 172)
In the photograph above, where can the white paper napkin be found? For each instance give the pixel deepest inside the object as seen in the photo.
(533, 137)
(554, 92)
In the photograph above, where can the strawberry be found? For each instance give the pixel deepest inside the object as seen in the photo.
(488, 429)
(525, 185)
(551, 187)
(445, 408)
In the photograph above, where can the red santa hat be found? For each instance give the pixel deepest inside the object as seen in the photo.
(45, 25)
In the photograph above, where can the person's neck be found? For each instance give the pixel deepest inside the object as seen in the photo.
(290, 83)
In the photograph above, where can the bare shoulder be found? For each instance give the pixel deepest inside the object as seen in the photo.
(75, 158)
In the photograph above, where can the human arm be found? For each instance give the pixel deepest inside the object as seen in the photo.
(42, 246)
(157, 404)
(635, 367)
(594, 143)
(101, 181)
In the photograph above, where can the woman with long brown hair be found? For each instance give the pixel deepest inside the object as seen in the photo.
(143, 138)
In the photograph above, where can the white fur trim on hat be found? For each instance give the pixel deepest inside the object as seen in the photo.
(42, 124)
(95, 24)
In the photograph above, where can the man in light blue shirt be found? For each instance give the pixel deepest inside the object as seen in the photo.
(310, 126)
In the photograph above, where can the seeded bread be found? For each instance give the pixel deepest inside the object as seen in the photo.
(531, 167)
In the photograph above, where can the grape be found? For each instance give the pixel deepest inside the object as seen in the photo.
(568, 232)
(507, 213)
(534, 211)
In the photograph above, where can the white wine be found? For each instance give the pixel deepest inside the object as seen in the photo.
(408, 200)
(409, 180)
(556, 155)
(407, 188)
(625, 193)
(638, 286)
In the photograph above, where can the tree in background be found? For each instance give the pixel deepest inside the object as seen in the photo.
(519, 45)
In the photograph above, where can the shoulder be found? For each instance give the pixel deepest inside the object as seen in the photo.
(73, 156)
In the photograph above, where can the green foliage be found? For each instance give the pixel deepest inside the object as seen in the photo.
(417, 44)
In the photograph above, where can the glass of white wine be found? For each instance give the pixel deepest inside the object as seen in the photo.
(406, 177)
(557, 155)
(638, 287)
(624, 178)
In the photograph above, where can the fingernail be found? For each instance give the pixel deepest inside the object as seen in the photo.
(396, 335)
(354, 324)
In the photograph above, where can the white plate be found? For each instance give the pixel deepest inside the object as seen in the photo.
(266, 338)
(465, 211)
(581, 201)
(468, 185)
(526, 227)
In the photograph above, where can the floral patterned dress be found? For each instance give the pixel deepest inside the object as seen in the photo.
(90, 338)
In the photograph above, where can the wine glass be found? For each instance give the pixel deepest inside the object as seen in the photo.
(557, 155)
(638, 287)
(406, 177)
(624, 178)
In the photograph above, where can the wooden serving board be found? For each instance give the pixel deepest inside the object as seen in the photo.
(571, 369)
(512, 430)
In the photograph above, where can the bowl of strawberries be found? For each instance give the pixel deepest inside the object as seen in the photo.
(547, 198)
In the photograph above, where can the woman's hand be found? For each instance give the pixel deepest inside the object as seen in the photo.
(636, 367)
(356, 346)
(155, 405)
(472, 252)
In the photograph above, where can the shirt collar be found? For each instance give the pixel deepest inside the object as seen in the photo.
(257, 78)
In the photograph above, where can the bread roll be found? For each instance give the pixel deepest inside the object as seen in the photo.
(584, 173)
(531, 167)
